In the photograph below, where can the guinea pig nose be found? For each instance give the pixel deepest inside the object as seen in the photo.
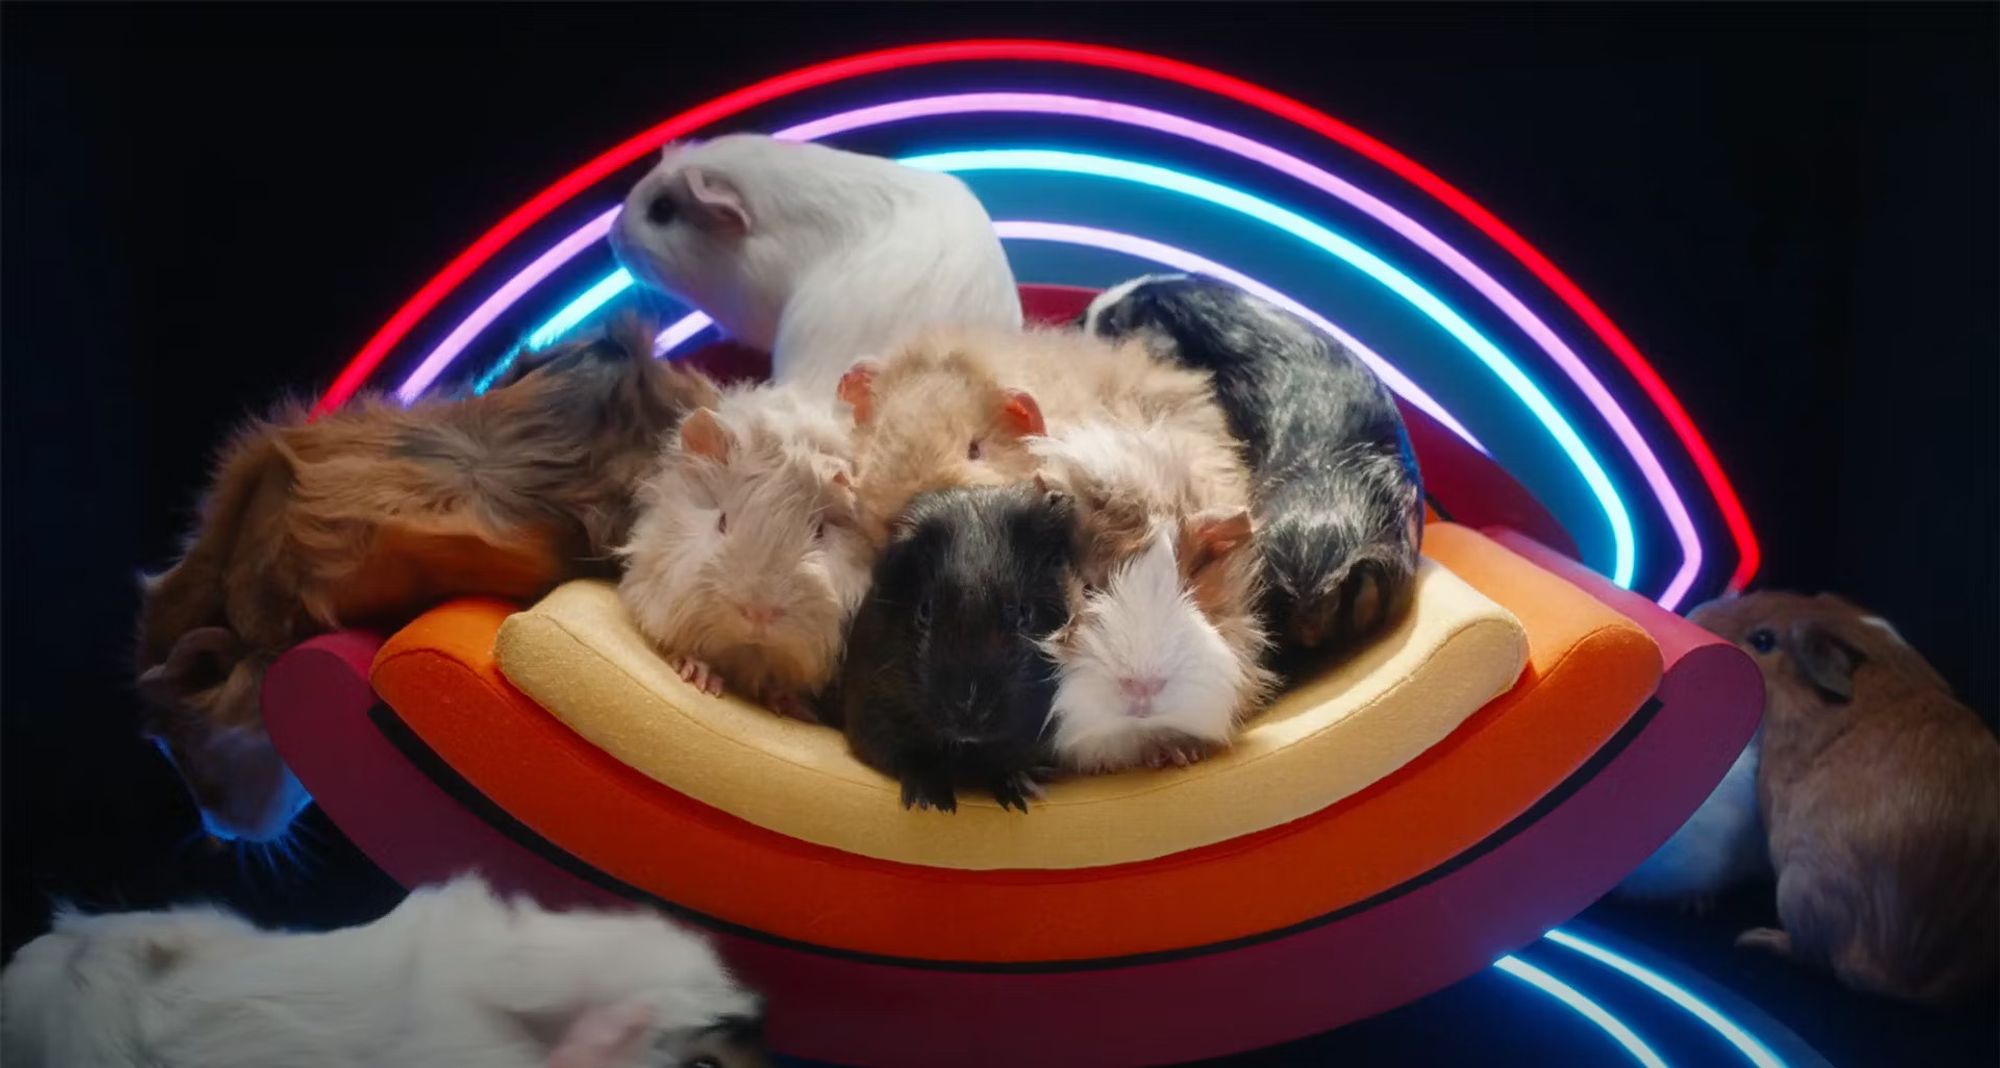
(760, 614)
(1142, 689)
(660, 210)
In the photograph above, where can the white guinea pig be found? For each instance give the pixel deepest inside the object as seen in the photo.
(454, 977)
(1165, 654)
(747, 561)
(817, 255)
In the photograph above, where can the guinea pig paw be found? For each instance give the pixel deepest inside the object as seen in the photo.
(1768, 939)
(1014, 791)
(699, 674)
(793, 706)
(923, 796)
(1175, 755)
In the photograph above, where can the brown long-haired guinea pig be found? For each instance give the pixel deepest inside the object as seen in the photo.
(1881, 799)
(373, 513)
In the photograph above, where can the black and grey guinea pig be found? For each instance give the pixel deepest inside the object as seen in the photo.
(946, 683)
(1338, 498)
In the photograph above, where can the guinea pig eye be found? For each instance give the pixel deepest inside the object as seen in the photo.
(924, 612)
(660, 211)
(1763, 640)
(722, 522)
(819, 529)
(974, 450)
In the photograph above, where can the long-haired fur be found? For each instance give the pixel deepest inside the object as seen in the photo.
(375, 512)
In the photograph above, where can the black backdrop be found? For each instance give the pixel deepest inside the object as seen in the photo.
(1791, 209)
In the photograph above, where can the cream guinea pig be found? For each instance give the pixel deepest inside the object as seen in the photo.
(746, 561)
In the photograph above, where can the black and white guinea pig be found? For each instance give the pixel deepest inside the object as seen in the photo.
(817, 255)
(946, 682)
(1338, 498)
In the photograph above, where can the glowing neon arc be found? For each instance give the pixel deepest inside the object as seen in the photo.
(1582, 1006)
(1624, 539)
(461, 267)
(1164, 255)
(1754, 1051)
(1593, 389)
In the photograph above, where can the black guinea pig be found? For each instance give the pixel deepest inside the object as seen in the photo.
(946, 683)
(1338, 497)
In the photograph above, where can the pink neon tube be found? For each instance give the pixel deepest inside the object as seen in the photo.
(1084, 107)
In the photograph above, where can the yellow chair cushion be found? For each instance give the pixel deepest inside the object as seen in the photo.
(578, 655)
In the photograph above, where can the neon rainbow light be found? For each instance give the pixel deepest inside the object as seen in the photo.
(1754, 1051)
(517, 222)
(1160, 122)
(1623, 538)
(1583, 1006)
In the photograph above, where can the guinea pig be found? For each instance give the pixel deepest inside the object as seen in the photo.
(946, 683)
(814, 254)
(1881, 799)
(454, 976)
(958, 407)
(1339, 500)
(373, 513)
(746, 564)
(1720, 846)
(1166, 653)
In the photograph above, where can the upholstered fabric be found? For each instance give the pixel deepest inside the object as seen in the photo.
(579, 656)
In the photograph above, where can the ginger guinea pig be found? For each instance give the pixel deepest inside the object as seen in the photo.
(817, 255)
(958, 407)
(746, 563)
(1881, 800)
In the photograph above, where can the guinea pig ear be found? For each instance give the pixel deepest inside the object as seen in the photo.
(702, 434)
(716, 201)
(1020, 413)
(201, 658)
(1827, 661)
(1211, 537)
(857, 388)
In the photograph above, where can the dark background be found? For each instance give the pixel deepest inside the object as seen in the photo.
(1790, 209)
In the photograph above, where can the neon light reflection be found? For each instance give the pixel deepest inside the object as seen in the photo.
(1754, 1051)
(1584, 1007)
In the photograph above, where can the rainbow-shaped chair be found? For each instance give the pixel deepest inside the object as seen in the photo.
(1516, 746)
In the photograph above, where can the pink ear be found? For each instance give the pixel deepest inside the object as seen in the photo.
(1021, 414)
(719, 202)
(603, 1037)
(702, 434)
(857, 388)
(1215, 536)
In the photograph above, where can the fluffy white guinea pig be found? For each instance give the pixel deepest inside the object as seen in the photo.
(1144, 677)
(454, 977)
(747, 559)
(818, 255)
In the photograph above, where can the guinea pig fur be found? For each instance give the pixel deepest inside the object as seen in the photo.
(454, 976)
(815, 254)
(1881, 800)
(1720, 846)
(1339, 501)
(957, 408)
(1165, 654)
(374, 512)
(946, 683)
(746, 563)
